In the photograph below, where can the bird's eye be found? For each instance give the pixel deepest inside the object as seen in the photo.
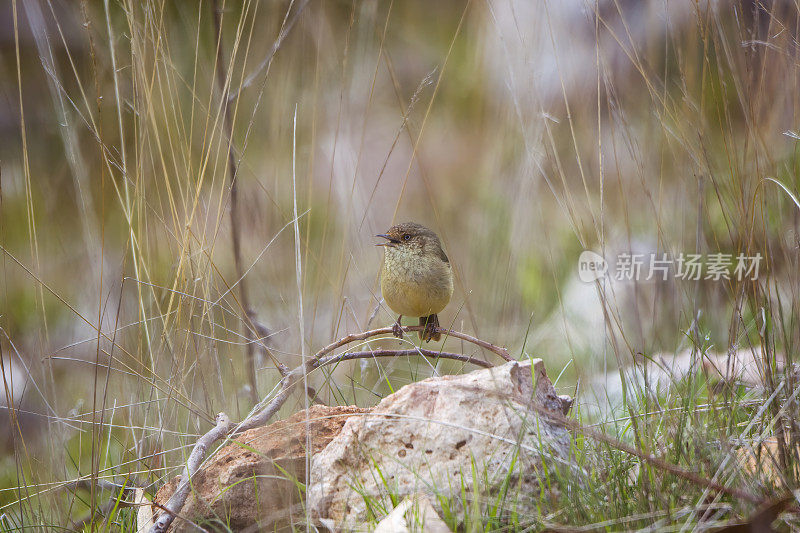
(406, 237)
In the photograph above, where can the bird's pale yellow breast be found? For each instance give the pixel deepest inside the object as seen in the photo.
(415, 284)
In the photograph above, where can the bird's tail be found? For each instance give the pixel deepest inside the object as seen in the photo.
(429, 322)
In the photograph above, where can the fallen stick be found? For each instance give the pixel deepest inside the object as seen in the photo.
(287, 384)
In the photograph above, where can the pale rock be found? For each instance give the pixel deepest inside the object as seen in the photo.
(144, 513)
(426, 437)
(414, 514)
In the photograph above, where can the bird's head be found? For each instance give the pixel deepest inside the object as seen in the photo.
(414, 238)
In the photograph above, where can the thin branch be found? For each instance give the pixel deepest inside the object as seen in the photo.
(348, 356)
(502, 352)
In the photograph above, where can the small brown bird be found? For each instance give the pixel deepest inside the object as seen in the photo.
(416, 278)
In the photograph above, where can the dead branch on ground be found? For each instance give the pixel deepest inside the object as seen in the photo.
(288, 382)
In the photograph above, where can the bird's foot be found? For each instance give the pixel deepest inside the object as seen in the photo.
(430, 333)
(397, 329)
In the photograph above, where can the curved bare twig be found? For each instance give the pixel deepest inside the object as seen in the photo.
(502, 352)
(348, 356)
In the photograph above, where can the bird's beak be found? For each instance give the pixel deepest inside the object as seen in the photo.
(391, 242)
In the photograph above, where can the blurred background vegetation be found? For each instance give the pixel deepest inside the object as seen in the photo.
(522, 132)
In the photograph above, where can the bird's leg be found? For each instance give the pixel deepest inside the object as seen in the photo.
(430, 332)
(397, 329)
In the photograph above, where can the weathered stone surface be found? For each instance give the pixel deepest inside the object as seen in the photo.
(249, 483)
(427, 437)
